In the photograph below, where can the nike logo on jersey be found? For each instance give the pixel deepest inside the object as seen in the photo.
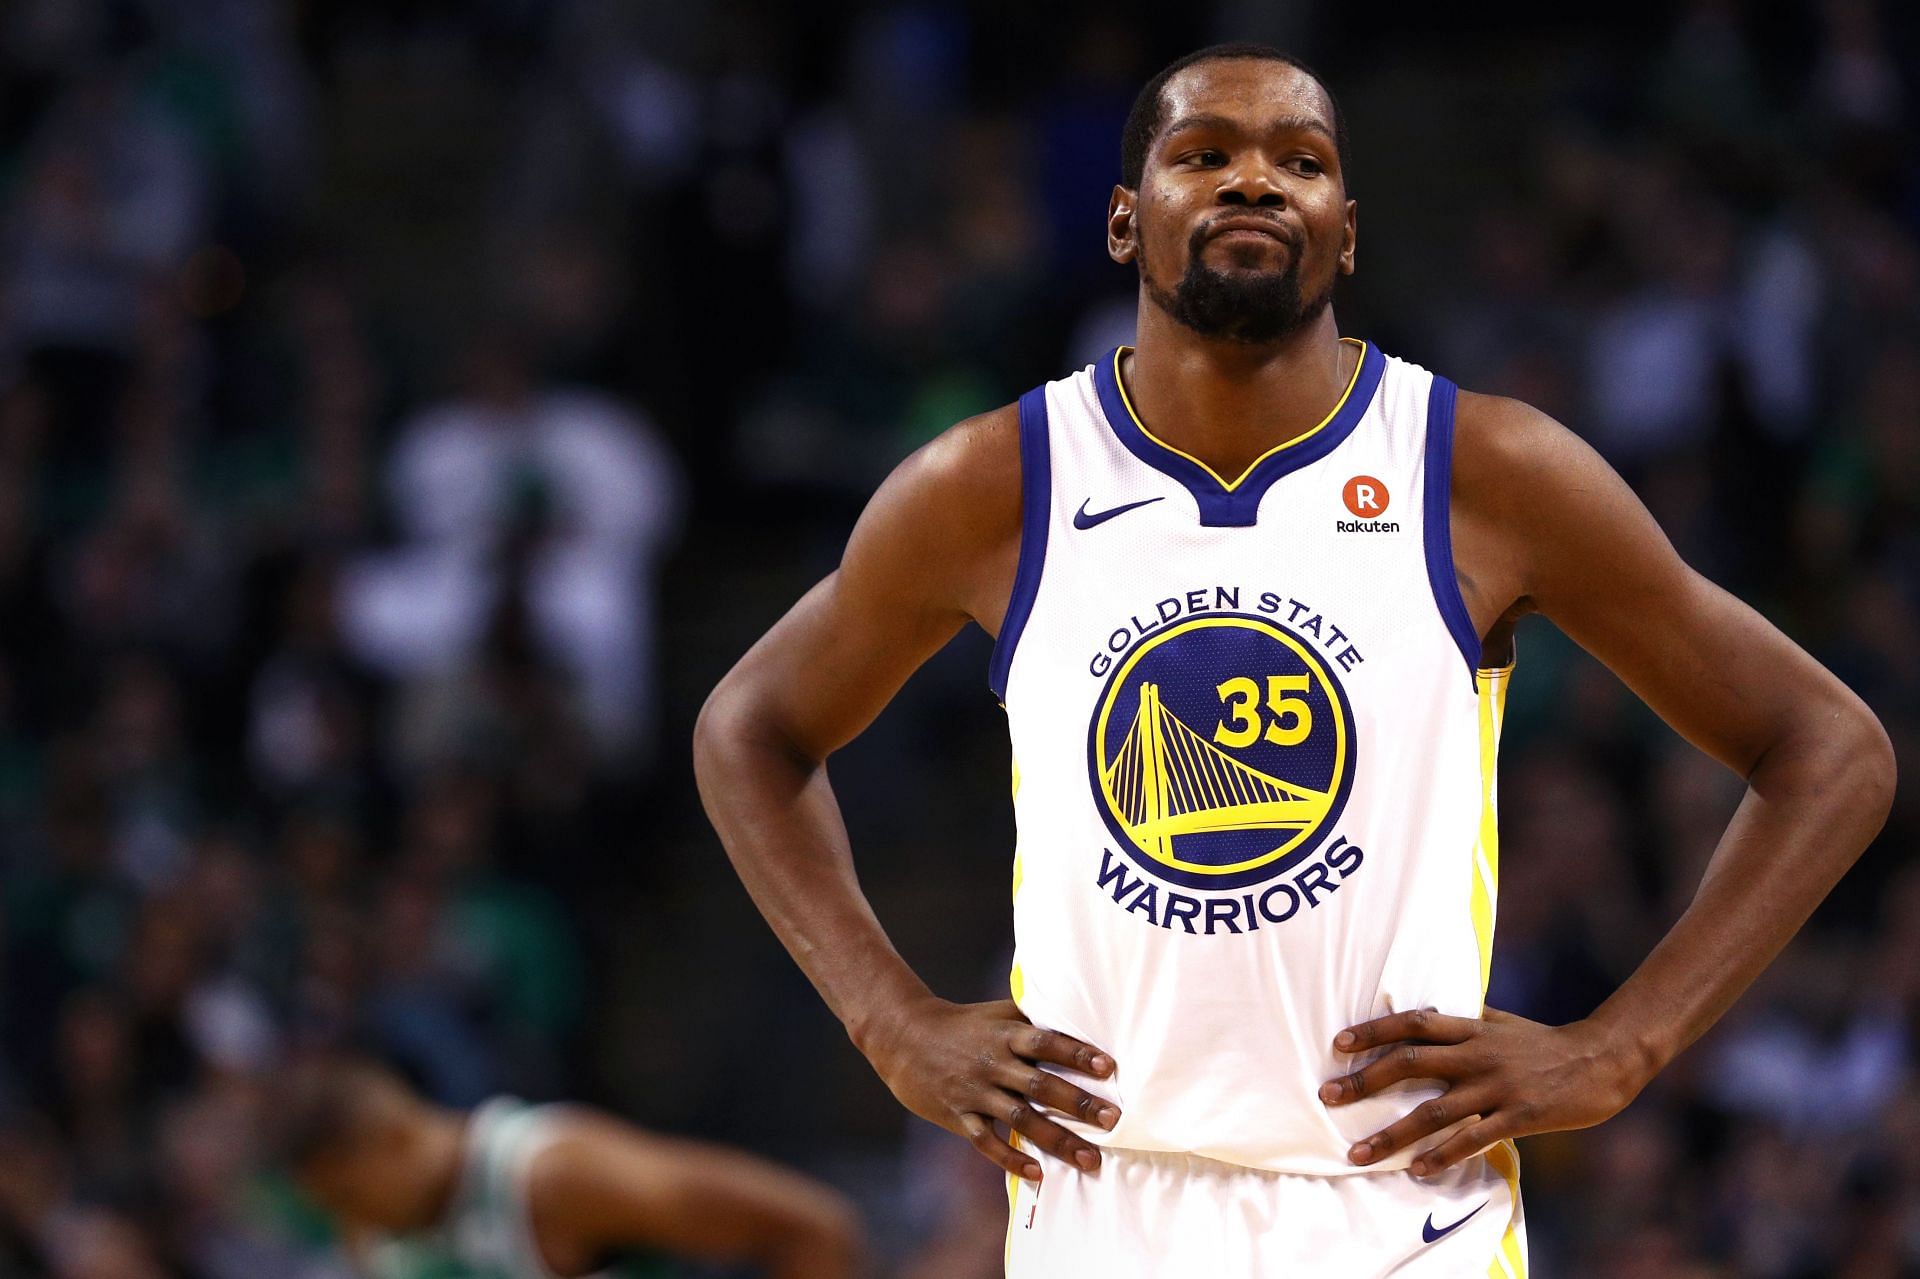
(1428, 1233)
(1082, 519)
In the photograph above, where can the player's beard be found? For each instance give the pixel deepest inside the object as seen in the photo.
(1253, 307)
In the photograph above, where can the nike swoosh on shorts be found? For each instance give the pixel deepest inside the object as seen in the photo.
(1428, 1233)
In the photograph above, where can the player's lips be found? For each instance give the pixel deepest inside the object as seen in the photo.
(1242, 228)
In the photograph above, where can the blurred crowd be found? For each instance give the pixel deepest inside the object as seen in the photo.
(409, 408)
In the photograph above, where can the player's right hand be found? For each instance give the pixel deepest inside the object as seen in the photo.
(967, 1067)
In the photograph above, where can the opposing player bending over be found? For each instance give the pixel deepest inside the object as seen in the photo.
(512, 1191)
(1254, 586)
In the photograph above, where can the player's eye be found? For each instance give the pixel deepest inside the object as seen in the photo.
(1309, 166)
(1206, 156)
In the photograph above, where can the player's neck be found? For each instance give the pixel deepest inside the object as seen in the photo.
(1227, 403)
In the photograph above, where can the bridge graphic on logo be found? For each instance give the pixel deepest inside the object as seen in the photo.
(1167, 780)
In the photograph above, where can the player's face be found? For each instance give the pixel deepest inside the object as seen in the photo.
(1242, 219)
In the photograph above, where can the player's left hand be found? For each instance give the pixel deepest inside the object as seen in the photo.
(1508, 1076)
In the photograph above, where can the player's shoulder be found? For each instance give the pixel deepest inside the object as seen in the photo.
(964, 480)
(1501, 429)
(587, 1156)
(584, 1183)
(1506, 451)
(976, 458)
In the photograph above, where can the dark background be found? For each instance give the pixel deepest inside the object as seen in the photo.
(408, 410)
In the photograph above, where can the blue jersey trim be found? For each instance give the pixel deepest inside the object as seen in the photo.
(1438, 532)
(1236, 505)
(1036, 514)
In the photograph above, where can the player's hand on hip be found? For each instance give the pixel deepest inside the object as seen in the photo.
(1505, 1075)
(968, 1067)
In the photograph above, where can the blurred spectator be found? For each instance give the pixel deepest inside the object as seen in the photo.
(531, 516)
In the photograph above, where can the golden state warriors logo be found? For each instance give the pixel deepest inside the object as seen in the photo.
(1222, 751)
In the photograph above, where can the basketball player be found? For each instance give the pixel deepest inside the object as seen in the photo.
(1254, 585)
(513, 1191)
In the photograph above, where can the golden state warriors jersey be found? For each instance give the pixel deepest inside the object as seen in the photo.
(1253, 759)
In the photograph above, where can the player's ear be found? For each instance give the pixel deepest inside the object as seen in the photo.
(1350, 238)
(1121, 246)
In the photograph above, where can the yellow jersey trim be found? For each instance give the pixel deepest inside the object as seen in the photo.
(1231, 485)
(1510, 1260)
(1486, 849)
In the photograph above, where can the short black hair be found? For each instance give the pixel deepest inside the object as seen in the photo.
(1143, 121)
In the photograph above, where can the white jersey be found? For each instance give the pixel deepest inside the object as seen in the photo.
(1253, 761)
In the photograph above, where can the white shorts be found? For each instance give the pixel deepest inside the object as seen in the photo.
(1153, 1215)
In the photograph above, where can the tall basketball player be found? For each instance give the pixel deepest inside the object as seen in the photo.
(1254, 584)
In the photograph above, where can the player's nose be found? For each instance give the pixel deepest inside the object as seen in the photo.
(1251, 182)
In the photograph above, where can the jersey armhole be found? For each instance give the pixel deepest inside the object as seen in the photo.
(1436, 516)
(1036, 510)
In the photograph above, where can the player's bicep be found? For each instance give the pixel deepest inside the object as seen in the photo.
(1599, 566)
(1708, 664)
(835, 660)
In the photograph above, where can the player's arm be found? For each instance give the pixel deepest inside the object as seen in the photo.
(1541, 522)
(604, 1187)
(936, 546)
